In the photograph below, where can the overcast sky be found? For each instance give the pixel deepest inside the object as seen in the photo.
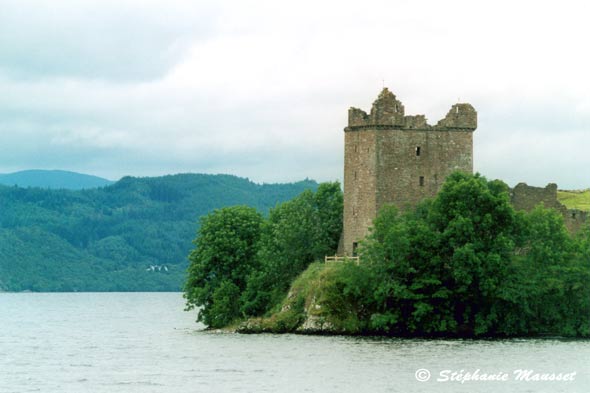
(261, 89)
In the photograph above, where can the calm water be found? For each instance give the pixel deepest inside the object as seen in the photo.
(144, 342)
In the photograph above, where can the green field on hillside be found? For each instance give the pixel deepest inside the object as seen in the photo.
(575, 199)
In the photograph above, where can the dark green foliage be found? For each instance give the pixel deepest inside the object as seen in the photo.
(347, 296)
(239, 254)
(223, 307)
(553, 275)
(224, 256)
(295, 234)
(466, 264)
(105, 239)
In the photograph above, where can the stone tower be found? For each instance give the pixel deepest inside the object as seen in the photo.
(393, 158)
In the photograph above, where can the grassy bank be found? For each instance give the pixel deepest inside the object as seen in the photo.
(316, 303)
(575, 199)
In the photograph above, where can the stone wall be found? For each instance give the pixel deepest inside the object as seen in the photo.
(526, 198)
(393, 158)
(360, 187)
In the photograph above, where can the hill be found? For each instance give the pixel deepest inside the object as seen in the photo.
(133, 235)
(575, 199)
(53, 179)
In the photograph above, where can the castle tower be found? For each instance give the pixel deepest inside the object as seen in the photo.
(393, 158)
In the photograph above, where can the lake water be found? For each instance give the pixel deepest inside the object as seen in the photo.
(145, 342)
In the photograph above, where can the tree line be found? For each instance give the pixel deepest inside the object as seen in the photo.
(104, 239)
(243, 264)
(464, 264)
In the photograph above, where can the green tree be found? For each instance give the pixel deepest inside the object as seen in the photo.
(224, 255)
(478, 229)
(443, 263)
(296, 233)
(554, 275)
(467, 264)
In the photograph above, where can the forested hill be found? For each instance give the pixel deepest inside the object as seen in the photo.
(53, 179)
(134, 235)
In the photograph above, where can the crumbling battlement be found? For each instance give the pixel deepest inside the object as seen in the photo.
(524, 197)
(461, 116)
(388, 112)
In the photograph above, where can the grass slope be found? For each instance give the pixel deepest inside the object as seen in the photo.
(316, 303)
(575, 199)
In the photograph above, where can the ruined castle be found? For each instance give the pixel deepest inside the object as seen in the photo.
(393, 158)
(524, 197)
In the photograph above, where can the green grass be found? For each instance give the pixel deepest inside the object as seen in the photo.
(316, 294)
(575, 199)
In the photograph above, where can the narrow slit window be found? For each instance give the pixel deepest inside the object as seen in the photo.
(418, 151)
(421, 181)
(354, 248)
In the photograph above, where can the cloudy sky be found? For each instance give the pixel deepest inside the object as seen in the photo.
(261, 88)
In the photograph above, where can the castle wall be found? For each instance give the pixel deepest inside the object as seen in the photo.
(400, 167)
(360, 202)
(525, 197)
(393, 158)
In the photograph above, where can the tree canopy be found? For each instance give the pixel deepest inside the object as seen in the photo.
(243, 265)
(134, 235)
(466, 263)
(224, 256)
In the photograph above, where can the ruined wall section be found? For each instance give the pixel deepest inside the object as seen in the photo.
(575, 220)
(460, 117)
(386, 111)
(525, 197)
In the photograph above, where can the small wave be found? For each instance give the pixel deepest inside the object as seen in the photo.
(136, 383)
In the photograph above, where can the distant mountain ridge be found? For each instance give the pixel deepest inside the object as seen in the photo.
(133, 235)
(53, 179)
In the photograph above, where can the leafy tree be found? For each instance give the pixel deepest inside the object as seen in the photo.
(467, 264)
(554, 275)
(477, 225)
(225, 305)
(442, 263)
(295, 234)
(224, 255)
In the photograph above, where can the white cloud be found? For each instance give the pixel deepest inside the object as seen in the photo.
(261, 88)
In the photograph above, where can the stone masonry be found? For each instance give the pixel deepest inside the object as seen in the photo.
(393, 158)
(524, 197)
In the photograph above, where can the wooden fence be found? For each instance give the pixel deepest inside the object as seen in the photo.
(336, 258)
